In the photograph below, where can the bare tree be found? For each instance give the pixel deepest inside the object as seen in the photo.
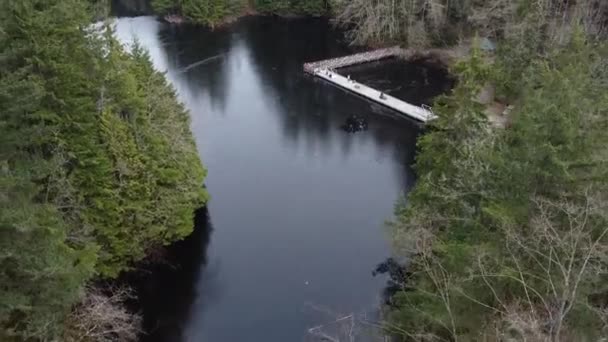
(416, 21)
(103, 317)
(552, 260)
(345, 327)
(563, 248)
(376, 21)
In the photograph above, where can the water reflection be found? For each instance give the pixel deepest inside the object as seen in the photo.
(298, 204)
(309, 109)
(416, 82)
(167, 291)
(198, 68)
(129, 8)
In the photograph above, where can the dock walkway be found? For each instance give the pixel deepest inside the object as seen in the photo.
(358, 58)
(325, 69)
(394, 103)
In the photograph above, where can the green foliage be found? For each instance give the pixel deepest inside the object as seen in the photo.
(97, 162)
(165, 6)
(99, 9)
(284, 7)
(40, 274)
(206, 12)
(507, 228)
(215, 12)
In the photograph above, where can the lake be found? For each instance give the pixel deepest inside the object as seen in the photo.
(295, 224)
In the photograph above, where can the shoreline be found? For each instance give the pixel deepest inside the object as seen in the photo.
(177, 20)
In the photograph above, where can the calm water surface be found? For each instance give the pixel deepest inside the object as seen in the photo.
(294, 227)
(417, 82)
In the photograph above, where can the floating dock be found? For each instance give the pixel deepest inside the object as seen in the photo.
(418, 113)
(358, 58)
(325, 69)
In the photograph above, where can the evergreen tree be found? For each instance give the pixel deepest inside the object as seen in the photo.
(97, 162)
(214, 12)
(166, 6)
(206, 12)
(507, 229)
(308, 7)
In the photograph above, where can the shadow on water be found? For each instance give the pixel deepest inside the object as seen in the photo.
(166, 290)
(416, 82)
(130, 8)
(198, 69)
(311, 109)
(302, 101)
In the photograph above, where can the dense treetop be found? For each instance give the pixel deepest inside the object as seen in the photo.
(505, 233)
(97, 162)
(214, 12)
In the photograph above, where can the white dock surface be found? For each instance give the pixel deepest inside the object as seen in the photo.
(358, 58)
(410, 110)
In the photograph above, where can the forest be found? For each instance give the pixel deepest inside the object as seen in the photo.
(98, 168)
(505, 232)
(214, 12)
(504, 237)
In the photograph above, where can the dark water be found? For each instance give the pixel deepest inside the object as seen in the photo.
(130, 8)
(415, 82)
(297, 205)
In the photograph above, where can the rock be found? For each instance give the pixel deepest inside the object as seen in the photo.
(486, 94)
(174, 19)
(354, 123)
(487, 45)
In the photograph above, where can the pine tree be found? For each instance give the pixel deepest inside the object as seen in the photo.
(41, 272)
(506, 229)
(97, 162)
